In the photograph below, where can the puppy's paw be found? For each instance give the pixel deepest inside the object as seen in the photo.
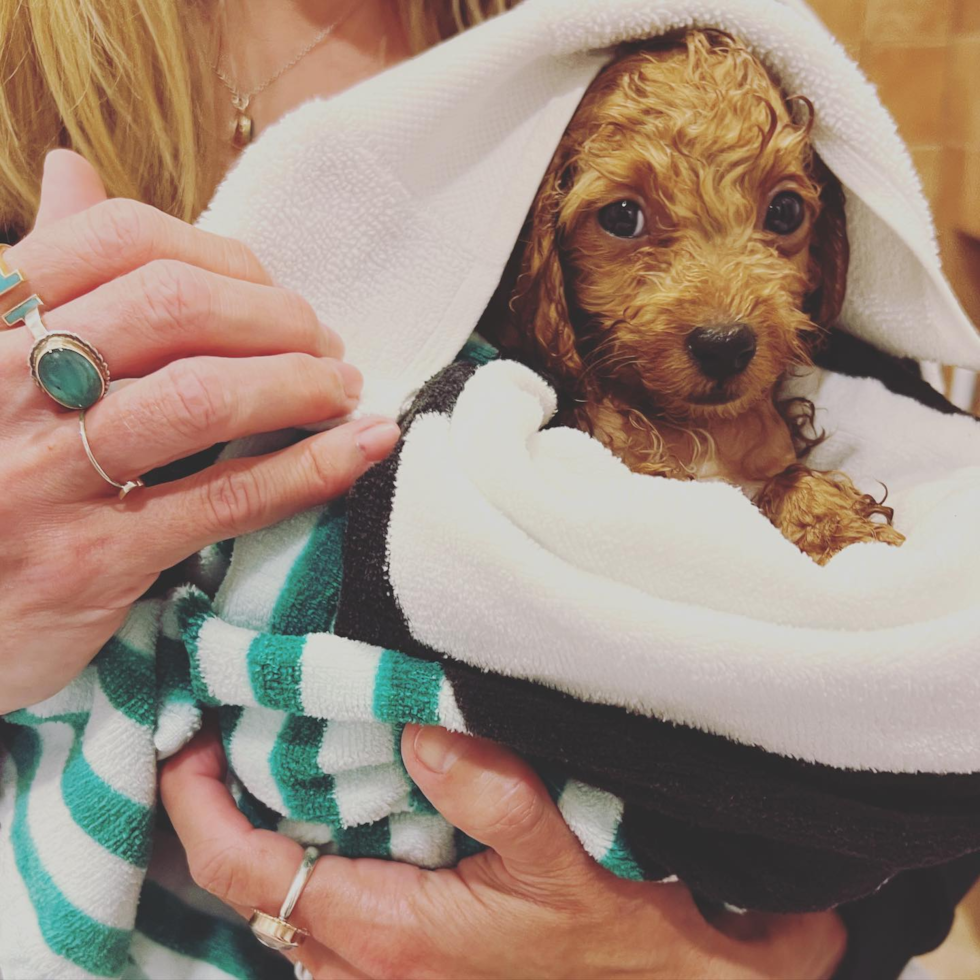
(823, 513)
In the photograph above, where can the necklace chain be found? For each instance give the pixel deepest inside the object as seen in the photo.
(240, 100)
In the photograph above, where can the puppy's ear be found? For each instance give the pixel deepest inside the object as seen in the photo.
(535, 325)
(829, 252)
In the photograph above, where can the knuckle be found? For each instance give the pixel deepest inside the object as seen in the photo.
(118, 227)
(319, 381)
(216, 871)
(318, 376)
(334, 386)
(298, 311)
(232, 500)
(328, 475)
(243, 262)
(305, 369)
(518, 812)
(176, 295)
(196, 401)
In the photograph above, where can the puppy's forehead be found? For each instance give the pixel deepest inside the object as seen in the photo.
(687, 108)
(687, 76)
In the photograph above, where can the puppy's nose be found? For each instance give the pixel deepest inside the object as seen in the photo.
(722, 352)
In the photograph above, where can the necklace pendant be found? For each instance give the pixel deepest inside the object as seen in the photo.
(241, 132)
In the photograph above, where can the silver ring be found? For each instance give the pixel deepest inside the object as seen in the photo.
(123, 488)
(310, 857)
(277, 932)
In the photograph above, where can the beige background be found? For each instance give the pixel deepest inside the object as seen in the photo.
(924, 56)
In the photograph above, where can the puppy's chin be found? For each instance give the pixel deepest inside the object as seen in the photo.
(726, 400)
(720, 404)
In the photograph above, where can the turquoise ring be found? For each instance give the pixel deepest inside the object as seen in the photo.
(66, 368)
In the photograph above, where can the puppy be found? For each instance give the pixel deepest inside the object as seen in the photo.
(686, 250)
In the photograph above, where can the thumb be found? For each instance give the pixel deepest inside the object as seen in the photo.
(494, 796)
(69, 184)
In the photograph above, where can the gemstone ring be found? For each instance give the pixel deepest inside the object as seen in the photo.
(66, 368)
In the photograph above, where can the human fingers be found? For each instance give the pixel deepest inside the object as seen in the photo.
(69, 184)
(253, 869)
(201, 401)
(235, 497)
(392, 920)
(167, 310)
(496, 797)
(68, 257)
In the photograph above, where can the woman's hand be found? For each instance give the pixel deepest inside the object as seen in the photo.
(209, 350)
(534, 906)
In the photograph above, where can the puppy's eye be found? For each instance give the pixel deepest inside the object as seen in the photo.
(624, 219)
(786, 213)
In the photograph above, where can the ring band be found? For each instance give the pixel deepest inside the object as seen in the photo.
(66, 368)
(275, 931)
(123, 488)
(9, 279)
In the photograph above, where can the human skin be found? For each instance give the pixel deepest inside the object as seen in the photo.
(533, 905)
(185, 316)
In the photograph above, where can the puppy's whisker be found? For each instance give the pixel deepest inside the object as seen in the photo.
(610, 355)
(605, 351)
(611, 363)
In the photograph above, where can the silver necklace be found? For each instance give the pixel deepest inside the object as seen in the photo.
(241, 132)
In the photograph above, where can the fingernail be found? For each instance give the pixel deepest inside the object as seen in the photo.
(378, 439)
(352, 378)
(436, 748)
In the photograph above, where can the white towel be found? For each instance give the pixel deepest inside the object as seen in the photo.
(540, 555)
(394, 206)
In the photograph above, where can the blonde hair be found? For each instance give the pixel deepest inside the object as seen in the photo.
(128, 84)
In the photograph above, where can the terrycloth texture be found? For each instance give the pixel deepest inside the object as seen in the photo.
(77, 796)
(694, 641)
(709, 615)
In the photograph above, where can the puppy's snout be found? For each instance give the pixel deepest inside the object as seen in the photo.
(722, 352)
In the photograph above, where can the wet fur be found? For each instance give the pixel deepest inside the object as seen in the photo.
(694, 129)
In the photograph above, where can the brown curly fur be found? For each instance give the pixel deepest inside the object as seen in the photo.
(694, 130)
